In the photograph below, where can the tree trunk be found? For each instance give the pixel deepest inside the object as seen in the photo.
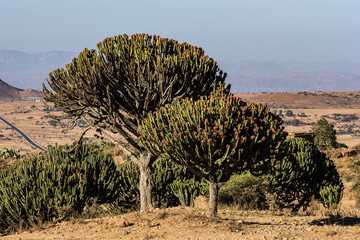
(213, 192)
(146, 183)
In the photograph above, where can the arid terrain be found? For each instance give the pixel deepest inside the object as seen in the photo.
(341, 108)
(300, 111)
(33, 119)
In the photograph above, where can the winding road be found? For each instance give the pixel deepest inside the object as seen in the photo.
(27, 138)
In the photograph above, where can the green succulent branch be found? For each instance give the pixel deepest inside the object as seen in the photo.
(114, 87)
(303, 172)
(214, 136)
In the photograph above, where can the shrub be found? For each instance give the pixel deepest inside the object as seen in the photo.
(9, 153)
(173, 185)
(341, 145)
(245, 191)
(355, 167)
(55, 185)
(325, 134)
(303, 173)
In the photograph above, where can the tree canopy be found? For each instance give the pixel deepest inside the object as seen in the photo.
(324, 134)
(114, 87)
(214, 137)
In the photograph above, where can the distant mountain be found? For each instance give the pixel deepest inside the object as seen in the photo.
(273, 76)
(9, 93)
(25, 70)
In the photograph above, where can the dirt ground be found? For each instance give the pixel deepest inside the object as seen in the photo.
(191, 223)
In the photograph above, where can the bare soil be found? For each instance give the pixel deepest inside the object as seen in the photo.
(191, 223)
(33, 119)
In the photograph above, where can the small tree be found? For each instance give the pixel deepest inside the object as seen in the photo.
(303, 172)
(214, 137)
(324, 134)
(114, 88)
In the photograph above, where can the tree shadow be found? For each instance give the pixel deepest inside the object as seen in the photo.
(335, 220)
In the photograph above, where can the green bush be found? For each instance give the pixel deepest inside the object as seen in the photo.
(55, 185)
(245, 191)
(325, 135)
(355, 168)
(9, 153)
(304, 173)
(173, 185)
(331, 195)
(129, 197)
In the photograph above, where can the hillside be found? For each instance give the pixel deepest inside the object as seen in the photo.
(10, 93)
(307, 100)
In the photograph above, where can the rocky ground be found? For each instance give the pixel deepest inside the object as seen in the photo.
(191, 223)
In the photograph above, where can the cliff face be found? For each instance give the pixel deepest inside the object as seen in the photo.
(9, 93)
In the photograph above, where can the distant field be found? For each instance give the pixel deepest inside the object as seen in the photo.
(307, 100)
(32, 118)
(300, 111)
(340, 108)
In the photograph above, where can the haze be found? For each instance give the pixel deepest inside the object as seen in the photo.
(229, 30)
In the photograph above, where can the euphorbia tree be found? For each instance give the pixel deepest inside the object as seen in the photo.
(303, 172)
(214, 137)
(113, 88)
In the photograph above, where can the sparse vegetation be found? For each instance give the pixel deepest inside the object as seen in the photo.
(325, 135)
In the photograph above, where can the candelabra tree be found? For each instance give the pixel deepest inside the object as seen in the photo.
(214, 137)
(303, 173)
(325, 135)
(114, 87)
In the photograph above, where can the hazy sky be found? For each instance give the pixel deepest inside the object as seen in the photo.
(228, 30)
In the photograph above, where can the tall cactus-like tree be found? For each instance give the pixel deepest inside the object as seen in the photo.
(113, 88)
(303, 172)
(214, 137)
(325, 134)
